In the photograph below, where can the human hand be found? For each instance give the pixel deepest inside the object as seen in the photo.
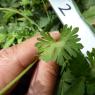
(16, 58)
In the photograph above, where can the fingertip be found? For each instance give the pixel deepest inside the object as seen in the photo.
(55, 35)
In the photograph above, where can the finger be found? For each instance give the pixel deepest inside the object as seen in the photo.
(14, 59)
(44, 79)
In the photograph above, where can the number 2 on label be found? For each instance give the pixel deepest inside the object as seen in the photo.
(62, 9)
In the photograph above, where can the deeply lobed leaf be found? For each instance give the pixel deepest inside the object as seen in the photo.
(62, 50)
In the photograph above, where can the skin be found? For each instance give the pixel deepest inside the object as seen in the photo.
(18, 57)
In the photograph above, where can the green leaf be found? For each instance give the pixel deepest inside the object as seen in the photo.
(91, 88)
(77, 88)
(61, 50)
(86, 4)
(9, 3)
(2, 38)
(36, 2)
(91, 59)
(7, 16)
(90, 15)
(9, 41)
(64, 82)
(43, 21)
(25, 2)
(79, 66)
(27, 12)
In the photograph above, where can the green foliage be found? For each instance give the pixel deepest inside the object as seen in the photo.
(91, 88)
(78, 77)
(90, 15)
(8, 3)
(91, 59)
(14, 33)
(79, 66)
(85, 4)
(87, 7)
(61, 50)
(77, 88)
(21, 19)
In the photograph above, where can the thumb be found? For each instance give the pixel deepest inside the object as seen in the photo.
(44, 79)
(16, 58)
